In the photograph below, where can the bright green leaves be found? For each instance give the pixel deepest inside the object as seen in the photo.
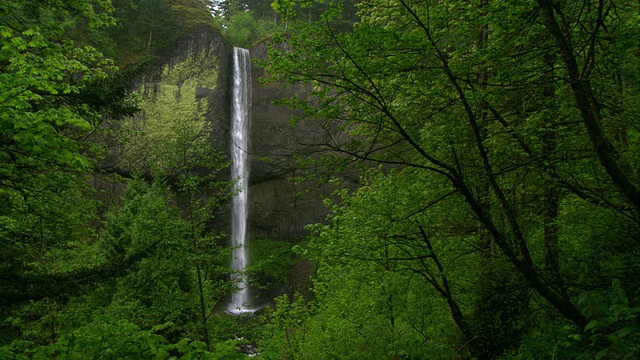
(39, 117)
(41, 125)
(119, 340)
(283, 7)
(374, 295)
(69, 275)
(46, 115)
(285, 328)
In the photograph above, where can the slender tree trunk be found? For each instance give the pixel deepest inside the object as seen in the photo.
(558, 301)
(552, 262)
(588, 106)
(149, 41)
(551, 195)
(444, 289)
(484, 187)
(203, 308)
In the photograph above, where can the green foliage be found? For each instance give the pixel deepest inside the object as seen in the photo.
(272, 263)
(148, 227)
(118, 340)
(245, 23)
(243, 29)
(172, 127)
(179, 260)
(613, 330)
(611, 333)
(167, 264)
(512, 191)
(43, 114)
(372, 293)
(69, 277)
(285, 327)
(50, 103)
(146, 29)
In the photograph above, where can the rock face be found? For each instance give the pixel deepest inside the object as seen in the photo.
(190, 90)
(184, 87)
(280, 208)
(180, 95)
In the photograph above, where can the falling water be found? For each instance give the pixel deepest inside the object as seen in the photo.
(240, 123)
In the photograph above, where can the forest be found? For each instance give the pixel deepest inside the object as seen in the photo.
(497, 215)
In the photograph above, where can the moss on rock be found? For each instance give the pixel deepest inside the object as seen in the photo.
(170, 107)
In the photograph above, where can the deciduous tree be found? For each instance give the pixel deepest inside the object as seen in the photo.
(517, 108)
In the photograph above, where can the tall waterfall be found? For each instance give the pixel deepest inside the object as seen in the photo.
(240, 124)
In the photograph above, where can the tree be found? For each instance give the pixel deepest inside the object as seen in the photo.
(53, 98)
(284, 8)
(69, 274)
(474, 93)
(179, 275)
(400, 255)
(55, 95)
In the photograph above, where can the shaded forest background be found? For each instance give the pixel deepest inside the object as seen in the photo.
(498, 214)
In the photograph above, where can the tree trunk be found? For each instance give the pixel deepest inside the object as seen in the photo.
(203, 308)
(149, 41)
(589, 108)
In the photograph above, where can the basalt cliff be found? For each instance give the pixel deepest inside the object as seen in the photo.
(188, 90)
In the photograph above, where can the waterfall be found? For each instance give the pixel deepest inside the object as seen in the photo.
(240, 123)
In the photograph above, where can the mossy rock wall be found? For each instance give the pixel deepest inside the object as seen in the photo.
(185, 92)
(190, 89)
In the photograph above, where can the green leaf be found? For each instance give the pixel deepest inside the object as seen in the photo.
(602, 353)
(591, 325)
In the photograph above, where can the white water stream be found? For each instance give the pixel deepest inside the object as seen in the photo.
(240, 125)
